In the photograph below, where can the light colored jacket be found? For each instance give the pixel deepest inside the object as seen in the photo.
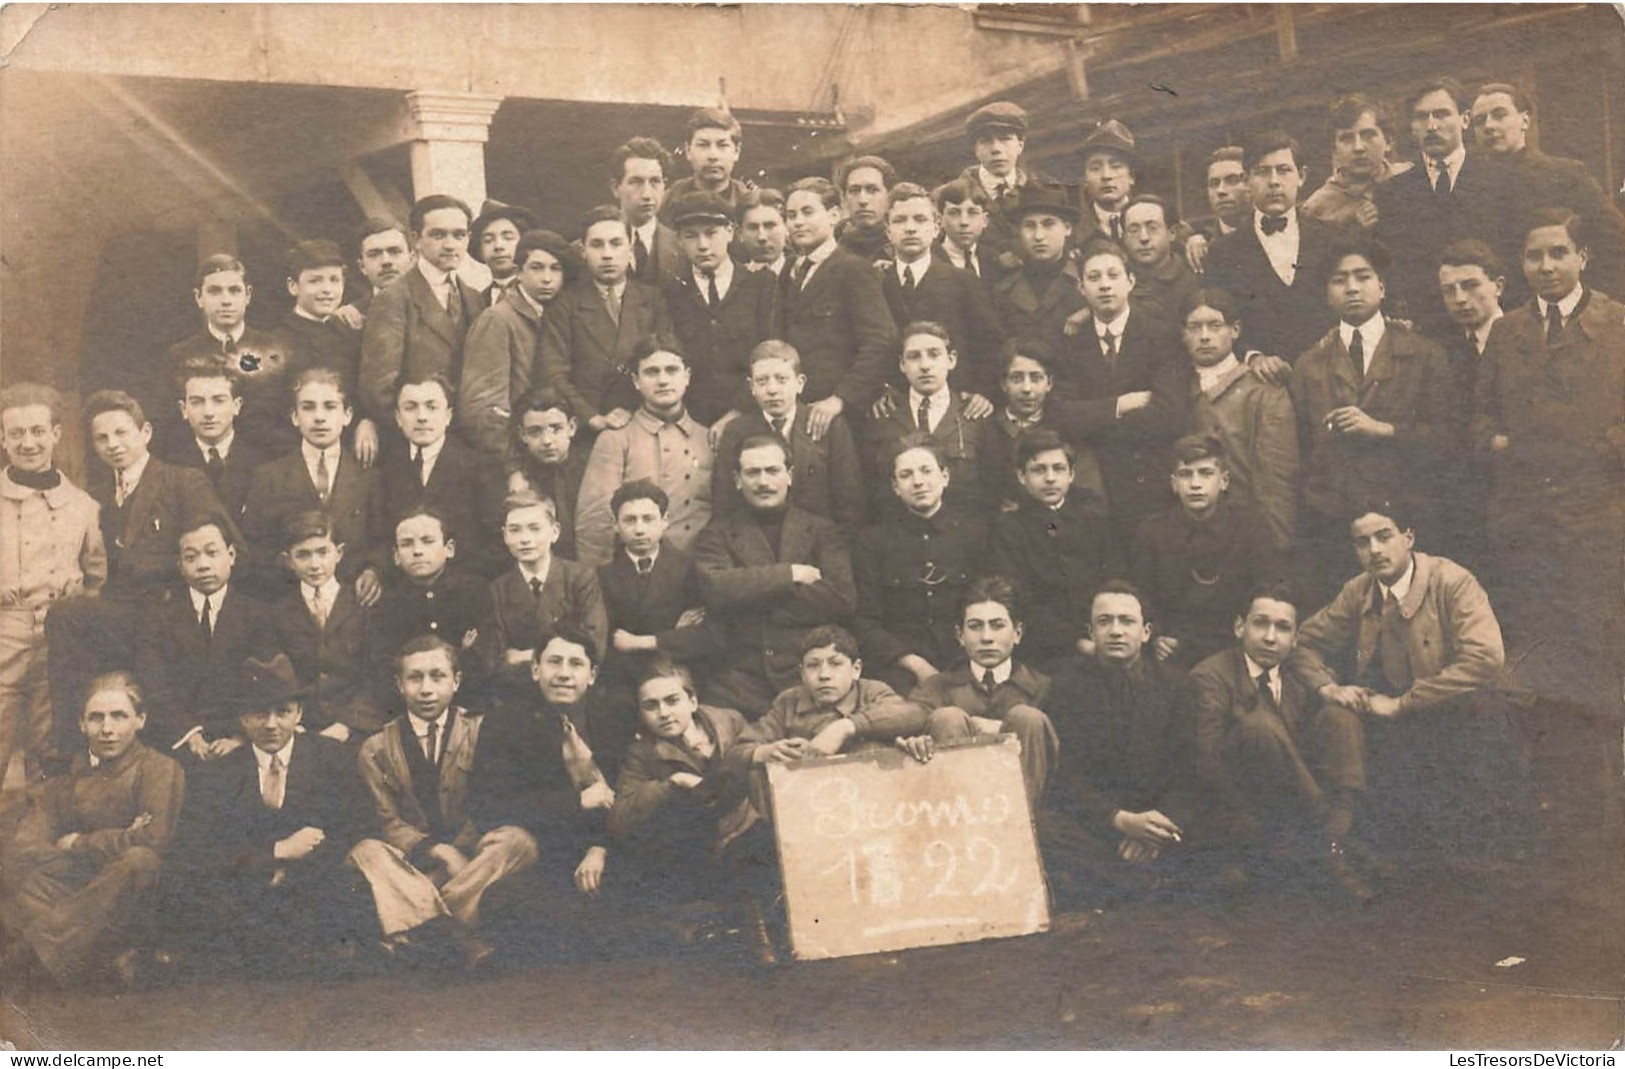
(50, 545)
(675, 456)
(398, 815)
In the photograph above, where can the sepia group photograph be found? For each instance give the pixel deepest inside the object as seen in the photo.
(806, 526)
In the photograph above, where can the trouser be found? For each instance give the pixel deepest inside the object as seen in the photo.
(405, 897)
(25, 693)
(78, 912)
(1040, 746)
(1286, 770)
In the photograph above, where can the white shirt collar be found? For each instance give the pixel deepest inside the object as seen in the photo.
(329, 592)
(1115, 326)
(604, 289)
(95, 762)
(132, 474)
(529, 571)
(1371, 332)
(724, 274)
(263, 759)
(1291, 218)
(332, 453)
(919, 266)
(1567, 305)
(302, 314)
(777, 266)
(215, 600)
(420, 727)
(991, 182)
(647, 232)
(938, 403)
(236, 334)
(654, 555)
(824, 251)
(1451, 163)
(789, 419)
(223, 446)
(1481, 335)
(1402, 585)
(1272, 676)
(431, 453)
(960, 258)
(436, 278)
(527, 298)
(1001, 671)
(1209, 377)
(1105, 217)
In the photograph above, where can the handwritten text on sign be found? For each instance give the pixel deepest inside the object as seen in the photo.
(881, 853)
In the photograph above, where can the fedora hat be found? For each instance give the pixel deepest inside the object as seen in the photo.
(1048, 197)
(265, 685)
(1113, 136)
(523, 219)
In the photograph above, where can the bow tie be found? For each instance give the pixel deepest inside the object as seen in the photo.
(1272, 224)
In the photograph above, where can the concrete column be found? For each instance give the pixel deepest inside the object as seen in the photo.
(448, 132)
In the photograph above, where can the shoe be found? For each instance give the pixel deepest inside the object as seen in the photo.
(1340, 871)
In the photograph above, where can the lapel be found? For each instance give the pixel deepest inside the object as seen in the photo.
(796, 540)
(822, 279)
(396, 767)
(1342, 368)
(1382, 366)
(188, 630)
(448, 472)
(430, 311)
(634, 313)
(593, 315)
(667, 578)
(346, 485)
(344, 607)
(140, 509)
(461, 735)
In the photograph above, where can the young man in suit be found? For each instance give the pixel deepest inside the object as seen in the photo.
(592, 326)
(1196, 559)
(1251, 417)
(544, 459)
(315, 334)
(383, 254)
(651, 593)
(1161, 276)
(964, 208)
(1362, 131)
(211, 404)
(222, 293)
(1266, 747)
(1275, 263)
(829, 474)
(1547, 417)
(912, 566)
(768, 573)
(712, 150)
(864, 183)
(493, 240)
(426, 862)
(719, 311)
(920, 285)
(1037, 297)
(1026, 380)
(59, 556)
(1111, 166)
(832, 309)
(662, 443)
(417, 324)
(762, 231)
(436, 469)
(1122, 390)
(1227, 194)
(261, 883)
(319, 475)
(539, 591)
(82, 872)
(997, 134)
(1501, 115)
(327, 633)
(500, 361)
(637, 180)
(424, 595)
(933, 409)
(192, 644)
(1056, 547)
(1450, 194)
(1374, 412)
(989, 692)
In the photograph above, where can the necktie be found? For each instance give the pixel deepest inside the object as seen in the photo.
(1108, 346)
(645, 565)
(324, 479)
(908, 280)
(712, 297)
(988, 682)
(1002, 194)
(274, 786)
(214, 464)
(417, 464)
(1357, 356)
(1391, 646)
(640, 254)
(536, 587)
(922, 418)
(319, 600)
(970, 263)
(1441, 180)
(430, 749)
(803, 269)
(1265, 694)
(206, 623)
(778, 425)
(229, 347)
(1554, 323)
(612, 301)
(1272, 224)
(1117, 227)
(121, 490)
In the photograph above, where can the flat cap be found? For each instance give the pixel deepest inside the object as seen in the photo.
(700, 206)
(999, 115)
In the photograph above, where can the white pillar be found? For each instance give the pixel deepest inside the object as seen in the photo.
(449, 131)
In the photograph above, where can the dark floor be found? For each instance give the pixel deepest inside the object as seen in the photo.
(1273, 970)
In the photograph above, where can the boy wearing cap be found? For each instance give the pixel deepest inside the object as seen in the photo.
(1037, 297)
(260, 851)
(998, 136)
(493, 240)
(719, 312)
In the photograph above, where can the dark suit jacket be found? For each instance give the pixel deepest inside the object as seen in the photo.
(331, 343)
(1531, 180)
(910, 574)
(466, 488)
(584, 352)
(1281, 320)
(665, 260)
(1029, 306)
(561, 485)
(236, 474)
(748, 587)
(334, 663)
(265, 368)
(569, 592)
(717, 341)
(651, 605)
(355, 503)
(410, 334)
(828, 474)
(959, 688)
(500, 365)
(141, 536)
(1407, 383)
(1057, 559)
(1416, 227)
(1223, 692)
(841, 327)
(522, 781)
(452, 607)
(189, 682)
(959, 438)
(957, 300)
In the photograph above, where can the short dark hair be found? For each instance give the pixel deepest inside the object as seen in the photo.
(1225, 154)
(760, 198)
(1037, 350)
(312, 254)
(1562, 217)
(212, 518)
(1370, 250)
(603, 213)
(103, 401)
(916, 440)
(1042, 440)
(649, 345)
(421, 512)
(1346, 110)
(958, 192)
(377, 224)
(1438, 83)
(214, 265)
(424, 644)
(303, 525)
(206, 367)
(434, 202)
(761, 441)
(1273, 590)
(712, 119)
(1193, 447)
(639, 148)
(826, 191)
(1170, 217)
(1122, 586)
(1104, 246)
(995, 588)
(554, 245)
(910, 191)
(439, 378)
(1397, 511)
(888, 173)
(1471, 252)
(1265, 142)
(540, 399)
(569, 631)
(1214, 297)
(830, 635)
(638, 490)
(1520, 100)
